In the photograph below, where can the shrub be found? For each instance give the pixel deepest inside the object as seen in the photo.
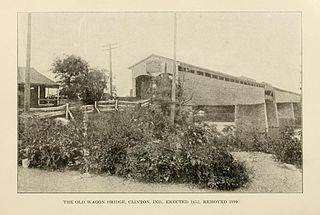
(154, 161)
(49, 144)
(207, 162)
(113, 134)
(288, 148)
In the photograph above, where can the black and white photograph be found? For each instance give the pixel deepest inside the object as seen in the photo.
(159, 102)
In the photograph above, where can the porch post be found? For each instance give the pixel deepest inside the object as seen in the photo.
(58, 98)
(39, 95)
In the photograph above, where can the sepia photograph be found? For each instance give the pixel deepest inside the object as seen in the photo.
(159, 102)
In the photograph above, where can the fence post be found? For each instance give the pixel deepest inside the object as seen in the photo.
(96, 107)
(67, 110)
(116, 105)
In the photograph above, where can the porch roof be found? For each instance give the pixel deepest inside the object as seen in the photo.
(36, 78)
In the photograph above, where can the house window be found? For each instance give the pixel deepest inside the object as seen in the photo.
(227, 79)
(215, 76)
(208, 75)
(199, 73)
(179, 68)
(231, 80)
(191, 71)
(221, 78)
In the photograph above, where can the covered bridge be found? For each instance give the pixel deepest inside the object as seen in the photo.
(247, 103)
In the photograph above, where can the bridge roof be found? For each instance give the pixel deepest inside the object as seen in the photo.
(240, 78)
(246, 79)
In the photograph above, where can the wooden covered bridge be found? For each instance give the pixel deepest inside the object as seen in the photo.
(252, 106)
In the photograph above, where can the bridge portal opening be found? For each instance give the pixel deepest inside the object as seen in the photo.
(143, 86)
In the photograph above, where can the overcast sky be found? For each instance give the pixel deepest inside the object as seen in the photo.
(262, 46)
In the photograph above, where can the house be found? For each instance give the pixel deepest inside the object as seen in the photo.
(39, 89)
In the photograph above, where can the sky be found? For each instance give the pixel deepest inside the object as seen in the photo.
(262, 46)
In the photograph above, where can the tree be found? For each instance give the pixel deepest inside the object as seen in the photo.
(77, 80)
(95, 83)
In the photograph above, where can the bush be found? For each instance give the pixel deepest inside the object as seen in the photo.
(207, 162)
(113, 134)
(285, 147)
(194, 156)
(49, 144)
(155, 161)
(288, 148)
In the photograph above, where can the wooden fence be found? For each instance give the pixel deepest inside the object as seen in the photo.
(47, 112)
(118, 105)
(98, 107)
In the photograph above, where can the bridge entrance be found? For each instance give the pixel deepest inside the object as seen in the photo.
(143, 86)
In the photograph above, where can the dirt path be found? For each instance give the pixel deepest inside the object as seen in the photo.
(35, 180)
(266, 175)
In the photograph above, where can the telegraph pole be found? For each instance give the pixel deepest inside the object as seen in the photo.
(110, 47)
(173, 85)
(26, 105)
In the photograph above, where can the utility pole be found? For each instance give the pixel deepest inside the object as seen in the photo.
(110, 47)
(26, 105)
(173, 85)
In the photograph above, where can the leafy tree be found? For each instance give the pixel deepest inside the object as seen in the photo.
(77, 80)
(95, 83)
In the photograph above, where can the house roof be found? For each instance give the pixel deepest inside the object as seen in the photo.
(35, 77)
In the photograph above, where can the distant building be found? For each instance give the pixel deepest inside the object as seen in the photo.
(251, 105)
(39, 85)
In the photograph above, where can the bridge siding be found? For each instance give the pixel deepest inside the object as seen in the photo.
(282, 96)
(209, 91)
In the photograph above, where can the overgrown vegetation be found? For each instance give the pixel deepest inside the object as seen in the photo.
(285, 146)
(49, 144)
(138, 144)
